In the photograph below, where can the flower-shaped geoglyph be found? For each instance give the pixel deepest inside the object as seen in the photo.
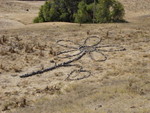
(91, 47)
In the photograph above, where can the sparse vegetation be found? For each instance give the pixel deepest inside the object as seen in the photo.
(81, 11)
(121, 84)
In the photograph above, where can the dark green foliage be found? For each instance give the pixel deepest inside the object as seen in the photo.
(109, 11)
(82, 15)
(81, 11)
(118, 12)
(103, 11)
(44, 14)
(90, 1)
(38, 20)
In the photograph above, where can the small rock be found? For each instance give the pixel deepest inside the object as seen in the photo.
(132, 107)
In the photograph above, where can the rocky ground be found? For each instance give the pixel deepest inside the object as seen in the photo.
(121, 84)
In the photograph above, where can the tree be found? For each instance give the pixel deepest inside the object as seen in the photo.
(118, 12)
(44, 15)
(82, 15)
(81, 11)
(54, 13)
(109, 11)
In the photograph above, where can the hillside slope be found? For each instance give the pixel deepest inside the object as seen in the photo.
(121, 84)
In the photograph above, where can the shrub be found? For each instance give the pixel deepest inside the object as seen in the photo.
(118, 12)
(109, 11)
(82, 15)
(81, 11)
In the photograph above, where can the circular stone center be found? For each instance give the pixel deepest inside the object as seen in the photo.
(87, 48)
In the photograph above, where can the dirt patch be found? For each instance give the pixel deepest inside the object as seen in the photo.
(7, 24)
(21, 11)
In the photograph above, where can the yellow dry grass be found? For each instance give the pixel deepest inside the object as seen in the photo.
(119, 85)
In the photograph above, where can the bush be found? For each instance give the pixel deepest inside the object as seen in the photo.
(118, 12)
(38, 20)
(82, 15)
(81, 11)
(109, 11)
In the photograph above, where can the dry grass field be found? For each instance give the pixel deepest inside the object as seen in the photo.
(121, 84)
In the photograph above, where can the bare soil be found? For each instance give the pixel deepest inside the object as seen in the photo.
(121, 84)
